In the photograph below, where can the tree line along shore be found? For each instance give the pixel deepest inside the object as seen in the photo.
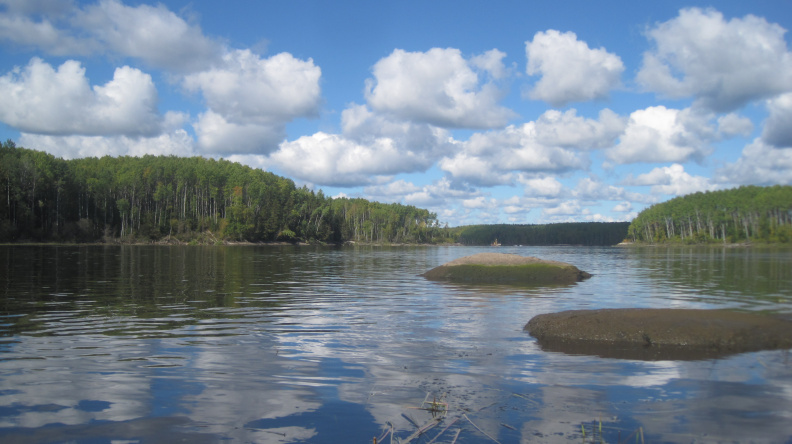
(169, 199)
(202, 200)
(748, 214)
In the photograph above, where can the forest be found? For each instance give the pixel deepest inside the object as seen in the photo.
(744, 214)
(173, 199)
(572, 233)
(207, 201)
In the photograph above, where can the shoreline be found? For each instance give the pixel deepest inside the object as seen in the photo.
(175, 242)
(708, 245)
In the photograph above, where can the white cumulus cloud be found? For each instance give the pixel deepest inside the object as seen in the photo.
(660, 134)
(218, 135)
(255, 96)
(489, 158)
(370, 147)
(566, 208)
(723, 64)
(672, 180)
(251, 89)
(567, 129)
(176, 143)
(778, 127)
(396, 189)
(439, 194)
(546, 186)
(439, 87)
(623, 207)
(592, 189)
(570, 71)
(44, 100)
(153, 34)
(759, 164)
(730, 125)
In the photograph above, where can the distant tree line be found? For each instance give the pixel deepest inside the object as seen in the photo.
(745, 214)
(573, 233)
(156, 198)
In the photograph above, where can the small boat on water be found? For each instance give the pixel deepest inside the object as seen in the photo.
(495, 243)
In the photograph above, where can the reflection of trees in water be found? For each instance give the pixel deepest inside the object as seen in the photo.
(122, 286)
(749, 276)
(351, 337)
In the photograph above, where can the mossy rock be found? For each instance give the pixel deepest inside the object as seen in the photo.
(499, 268)
(659, 334)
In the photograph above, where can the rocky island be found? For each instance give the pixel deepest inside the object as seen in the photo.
(659, 334)
(500, 268)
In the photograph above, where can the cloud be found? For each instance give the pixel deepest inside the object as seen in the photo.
(216, 135)
(256, 97)
(671, 180)
(438, 87)
(361, 124)
(40, 99)
(331, 159)
(480, 203)
(778, 127)
(487, 159)
(623, 207)
(44, 7)
(541, 186)
(731, 125)
(491, 62)
(438, 195)
(249, 89)
(370, 147)
(176, 143)
(153, 34)
(567, 129)
(660, 134)
(570, 71)
(723, 64)
(398, 189)
(19, 29)
(475, 170)
(589, 189)
(150, 33)
(566, 208)
(760, 164)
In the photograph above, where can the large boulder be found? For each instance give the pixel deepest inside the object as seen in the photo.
(659, 334)
(499, 268)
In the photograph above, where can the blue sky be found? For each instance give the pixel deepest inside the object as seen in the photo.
(496, 112)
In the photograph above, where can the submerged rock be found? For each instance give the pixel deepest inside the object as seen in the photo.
(659, 334)
(500, 268)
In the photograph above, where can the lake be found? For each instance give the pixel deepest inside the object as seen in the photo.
(281, 344)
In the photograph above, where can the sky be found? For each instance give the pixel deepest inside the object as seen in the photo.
(521, 112)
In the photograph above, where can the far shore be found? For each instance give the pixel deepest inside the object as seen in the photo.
(707, 245)
(176, 242)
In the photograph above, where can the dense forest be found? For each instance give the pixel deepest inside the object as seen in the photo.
(573, 233)
(203, 200)
(745, 214)
(166, 198)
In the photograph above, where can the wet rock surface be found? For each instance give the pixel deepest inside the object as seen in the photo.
(659, 334)
(500, 268)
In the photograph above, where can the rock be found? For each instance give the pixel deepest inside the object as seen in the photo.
(659, 334)
(499, 268)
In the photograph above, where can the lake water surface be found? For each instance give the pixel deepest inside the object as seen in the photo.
(270, 344)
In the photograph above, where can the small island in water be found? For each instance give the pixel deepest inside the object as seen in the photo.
(499, 268)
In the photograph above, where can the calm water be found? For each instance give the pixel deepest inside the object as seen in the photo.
(324, 345)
